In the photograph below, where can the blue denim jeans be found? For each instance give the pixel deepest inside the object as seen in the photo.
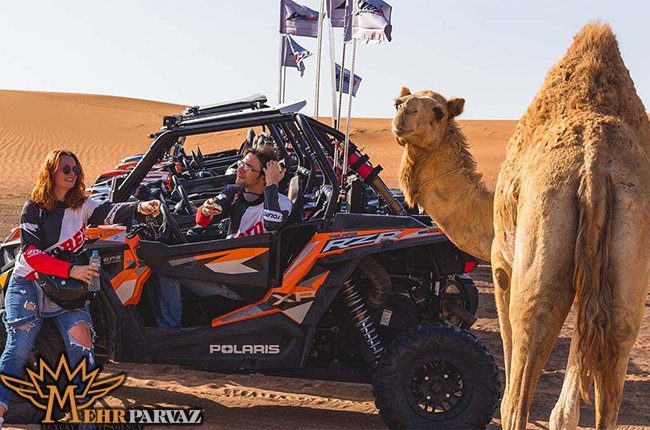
(165, 296)
(23, 320)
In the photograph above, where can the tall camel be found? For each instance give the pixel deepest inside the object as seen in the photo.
(568, 220)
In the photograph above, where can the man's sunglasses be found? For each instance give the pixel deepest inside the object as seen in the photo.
(67, 169)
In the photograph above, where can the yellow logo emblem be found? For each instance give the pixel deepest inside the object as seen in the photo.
(44, 397)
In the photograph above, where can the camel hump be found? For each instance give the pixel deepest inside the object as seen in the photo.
(590, 77)
(593, 278)
(597, 38)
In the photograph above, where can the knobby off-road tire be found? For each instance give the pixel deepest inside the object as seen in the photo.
(436, 377)
(49, 346)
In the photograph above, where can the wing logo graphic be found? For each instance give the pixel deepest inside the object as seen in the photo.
(44, 396)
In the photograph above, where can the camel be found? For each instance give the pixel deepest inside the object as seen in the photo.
(567, 221)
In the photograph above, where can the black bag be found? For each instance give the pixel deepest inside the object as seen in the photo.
(68, 293)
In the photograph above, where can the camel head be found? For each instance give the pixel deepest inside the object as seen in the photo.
(423, 118)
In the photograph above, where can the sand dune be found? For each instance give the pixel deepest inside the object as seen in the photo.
(103, 129)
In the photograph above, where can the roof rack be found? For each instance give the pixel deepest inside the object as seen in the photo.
(174, 121)
(256, 101)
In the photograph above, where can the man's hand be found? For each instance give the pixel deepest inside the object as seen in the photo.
(273, 173)
(152, 207)
(84, 273)
(210, 208)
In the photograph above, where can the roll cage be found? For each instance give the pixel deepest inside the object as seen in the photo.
(312, 145)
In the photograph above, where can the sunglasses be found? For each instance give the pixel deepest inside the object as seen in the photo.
(67, 169)
(247, 167)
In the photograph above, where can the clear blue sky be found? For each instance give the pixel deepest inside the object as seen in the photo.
(492, 53)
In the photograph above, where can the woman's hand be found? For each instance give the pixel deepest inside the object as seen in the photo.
(84, 273)
(152, 207)
(210, 208)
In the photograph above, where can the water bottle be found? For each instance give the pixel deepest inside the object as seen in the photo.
(95, 260)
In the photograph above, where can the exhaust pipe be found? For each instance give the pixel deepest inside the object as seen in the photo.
(460, 312)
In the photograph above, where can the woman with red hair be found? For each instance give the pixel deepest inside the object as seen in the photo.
(52, 221)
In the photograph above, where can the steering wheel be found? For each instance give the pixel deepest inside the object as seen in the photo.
(169, 227)
(187, 205)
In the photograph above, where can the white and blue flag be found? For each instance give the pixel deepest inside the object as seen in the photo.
(346, 81)
(370, 22)
(298, 20)
(294, 55)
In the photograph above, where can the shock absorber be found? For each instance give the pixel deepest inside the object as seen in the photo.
(357, 308)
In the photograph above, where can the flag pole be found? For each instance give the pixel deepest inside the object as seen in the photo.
(333, 71)
(284, 84)
(280, 89)
(318, 56)
(346, 23)
(347, 123)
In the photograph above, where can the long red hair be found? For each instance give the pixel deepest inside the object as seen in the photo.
(43, 192)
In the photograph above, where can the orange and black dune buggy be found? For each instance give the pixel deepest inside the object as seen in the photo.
(354, 288)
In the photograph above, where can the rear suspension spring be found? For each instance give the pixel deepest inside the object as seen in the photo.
(357, 308)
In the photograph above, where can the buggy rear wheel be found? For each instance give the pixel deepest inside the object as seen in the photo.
(436, 377)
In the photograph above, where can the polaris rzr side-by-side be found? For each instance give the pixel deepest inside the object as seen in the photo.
(353, 288)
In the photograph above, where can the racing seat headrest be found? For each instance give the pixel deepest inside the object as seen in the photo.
(295, 194)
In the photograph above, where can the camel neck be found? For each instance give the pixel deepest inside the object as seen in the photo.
(446, 184)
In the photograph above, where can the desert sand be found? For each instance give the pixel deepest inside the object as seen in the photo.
(102, 130)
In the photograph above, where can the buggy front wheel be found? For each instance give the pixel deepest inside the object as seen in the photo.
(436, 377)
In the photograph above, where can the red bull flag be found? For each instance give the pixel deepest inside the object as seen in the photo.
(370, 22)
(336, 12)
(298, 20)
(294, 55)
(346, 81)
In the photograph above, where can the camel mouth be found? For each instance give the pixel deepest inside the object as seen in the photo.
(400, 131)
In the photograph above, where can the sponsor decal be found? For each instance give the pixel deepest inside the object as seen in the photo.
(366, 7)
(272, 215)
(257, 228)
(46, 395)
(368, 239)
(300, 17)
(71, 244)
(112, 259)
(244, 349)
(298, 297)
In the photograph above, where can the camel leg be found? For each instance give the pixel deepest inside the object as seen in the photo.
(630, 266)
(535, 329)
(501, 275)
(541, 294)
(566, 413)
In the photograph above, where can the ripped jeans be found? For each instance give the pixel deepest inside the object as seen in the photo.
(23, 320)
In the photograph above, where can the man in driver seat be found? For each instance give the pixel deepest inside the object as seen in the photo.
(253, 204)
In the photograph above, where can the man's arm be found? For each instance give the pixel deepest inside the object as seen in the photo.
(209, 210)
(276, 208)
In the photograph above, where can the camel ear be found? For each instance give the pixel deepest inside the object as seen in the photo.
(455, 107)
(405, 92)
